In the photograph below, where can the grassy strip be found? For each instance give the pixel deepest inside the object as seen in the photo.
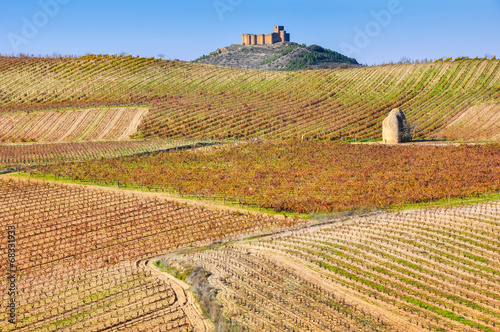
(402, 271)
(181, 275)
(445, 202)
(465, 239)
(388, 273)
(440, 203)
(211, 200)
(448, 314)
(91, 298)
(442, 254)
(205, 294)
(319, 216)
(442, 312)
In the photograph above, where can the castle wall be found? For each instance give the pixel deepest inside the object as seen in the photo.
(279, 35)
(269, 39)
(276, 38)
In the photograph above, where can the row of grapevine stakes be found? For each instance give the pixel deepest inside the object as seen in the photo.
(428, 270)
(204, 101)
(303, 177)
(77, 253)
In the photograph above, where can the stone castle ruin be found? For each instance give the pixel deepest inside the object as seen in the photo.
(279, 35)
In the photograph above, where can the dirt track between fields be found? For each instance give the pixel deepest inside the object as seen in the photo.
(307, 272)
(184, 298)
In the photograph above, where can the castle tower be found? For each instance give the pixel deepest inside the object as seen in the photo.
(279, 28)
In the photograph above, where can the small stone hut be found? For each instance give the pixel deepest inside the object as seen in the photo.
(395, 128)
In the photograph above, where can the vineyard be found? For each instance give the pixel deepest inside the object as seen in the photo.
(22, 156)
(205, 101)
(78, 253)
(304, 177)
(209, 152)
(115, 124)
(480, 123)
(430, 270)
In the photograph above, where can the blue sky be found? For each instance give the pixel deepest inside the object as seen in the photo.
(372, 31)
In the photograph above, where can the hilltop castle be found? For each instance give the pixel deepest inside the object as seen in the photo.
(279, 35)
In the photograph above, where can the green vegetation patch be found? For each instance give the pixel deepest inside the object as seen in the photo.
(317, 55)
(283, 53)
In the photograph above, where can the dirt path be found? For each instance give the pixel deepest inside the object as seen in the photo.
(184, 298)
(430, 143)
(310, 275)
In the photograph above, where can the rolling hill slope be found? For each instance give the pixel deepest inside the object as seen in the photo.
(202, 101)
(83, 254)
(78, 267)
(280, 56)
(429, 270)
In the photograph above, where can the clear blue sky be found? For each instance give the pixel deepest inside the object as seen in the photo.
(187, 29)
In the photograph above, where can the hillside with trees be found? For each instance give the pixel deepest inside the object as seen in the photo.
(286, 56)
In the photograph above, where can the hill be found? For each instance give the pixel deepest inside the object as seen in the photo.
(79, 257)
(78, 266)
(191, 100)
(429, 270)
(279, 56)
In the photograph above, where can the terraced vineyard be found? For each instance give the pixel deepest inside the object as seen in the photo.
(78, 250)
(304, 177)
(21, 156)
(118, 297)
(115, 124)
(423, 270)
(202, 101)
